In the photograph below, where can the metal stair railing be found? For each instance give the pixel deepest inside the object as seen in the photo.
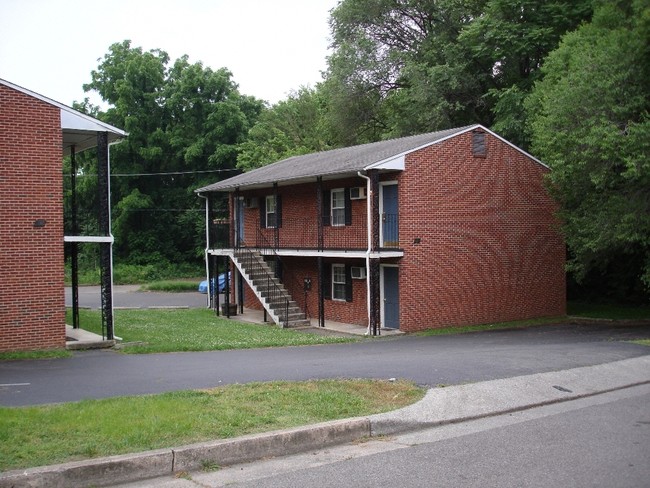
(269, 289)
(287, 276)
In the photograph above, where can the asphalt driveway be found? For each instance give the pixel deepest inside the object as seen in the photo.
(129, 296)
(429, 361)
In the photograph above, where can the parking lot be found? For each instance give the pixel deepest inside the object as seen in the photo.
(129, 296)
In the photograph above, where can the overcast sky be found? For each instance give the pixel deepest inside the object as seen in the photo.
(270, 46)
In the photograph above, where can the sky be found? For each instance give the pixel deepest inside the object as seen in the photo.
(271, 46)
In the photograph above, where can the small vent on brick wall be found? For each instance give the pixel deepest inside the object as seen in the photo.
(479, 146)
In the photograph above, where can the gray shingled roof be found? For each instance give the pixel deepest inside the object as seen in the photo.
(347, 160)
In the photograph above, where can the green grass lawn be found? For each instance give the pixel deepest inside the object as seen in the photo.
(154, 330)
(36, 436)
(603, 310)
(174, 286)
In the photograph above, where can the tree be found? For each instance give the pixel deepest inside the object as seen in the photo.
(589, 120)
(406, 66)
(291, 127)
(185, 122)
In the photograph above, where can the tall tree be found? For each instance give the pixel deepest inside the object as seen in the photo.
(590, 122)
(291, 127)
(406, 66)
(185, 122)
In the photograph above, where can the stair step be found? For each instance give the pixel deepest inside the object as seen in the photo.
(269, 289)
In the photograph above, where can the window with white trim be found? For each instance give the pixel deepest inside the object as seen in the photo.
(270, 212)
(338, 282)
(338, 207)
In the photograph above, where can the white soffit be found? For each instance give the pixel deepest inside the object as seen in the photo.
(395, 163)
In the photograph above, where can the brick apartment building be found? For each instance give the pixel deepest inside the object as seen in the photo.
(35, 134)
(442, 229)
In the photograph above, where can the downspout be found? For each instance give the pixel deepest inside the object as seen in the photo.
(110, 227)
(369, 226)
(207, 246)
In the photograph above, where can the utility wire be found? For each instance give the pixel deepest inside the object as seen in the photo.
(159, 174)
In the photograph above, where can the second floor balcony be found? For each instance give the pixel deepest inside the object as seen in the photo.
(302, 234)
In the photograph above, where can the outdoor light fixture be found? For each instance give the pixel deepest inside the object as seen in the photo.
(40, 223)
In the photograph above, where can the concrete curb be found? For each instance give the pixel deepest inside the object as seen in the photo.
(439, 406)
(162, 462)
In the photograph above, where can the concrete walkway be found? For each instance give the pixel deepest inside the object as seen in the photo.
(440, 406)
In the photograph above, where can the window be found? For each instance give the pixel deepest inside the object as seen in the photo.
(338, 282)
(338, 207)
(270, 211)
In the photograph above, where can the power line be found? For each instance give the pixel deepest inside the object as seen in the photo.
(159, 174)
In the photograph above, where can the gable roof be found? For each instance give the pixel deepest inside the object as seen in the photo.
(79, 130)
(342, 162)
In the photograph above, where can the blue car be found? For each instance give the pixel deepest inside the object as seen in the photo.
(203, 286)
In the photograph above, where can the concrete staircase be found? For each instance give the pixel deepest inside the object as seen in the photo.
(275, 298)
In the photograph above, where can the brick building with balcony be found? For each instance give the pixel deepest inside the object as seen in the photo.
(36, 133)
(441, 229)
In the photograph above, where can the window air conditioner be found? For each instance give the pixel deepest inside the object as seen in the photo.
(358, 273)
(358, 193)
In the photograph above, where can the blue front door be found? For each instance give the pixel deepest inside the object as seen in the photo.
(389, 223)
(391, 297)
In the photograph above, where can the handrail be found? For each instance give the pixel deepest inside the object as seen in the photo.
(287, 275)
(275, 294)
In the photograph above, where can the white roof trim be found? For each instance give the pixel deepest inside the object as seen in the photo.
(392, 160)
(70, 118)
(396, 163)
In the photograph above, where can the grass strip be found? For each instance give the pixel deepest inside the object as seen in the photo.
(42, 354)
(155, 330)
(42, 435)
(484, 327)
(172, 286)
(604, 310)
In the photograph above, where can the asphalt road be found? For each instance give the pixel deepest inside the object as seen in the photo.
(129, 296)
(428, 361)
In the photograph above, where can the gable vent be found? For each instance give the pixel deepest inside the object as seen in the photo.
(479, 144)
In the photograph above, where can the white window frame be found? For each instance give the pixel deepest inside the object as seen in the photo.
(270, 203)
(339, 220)
(341, 284)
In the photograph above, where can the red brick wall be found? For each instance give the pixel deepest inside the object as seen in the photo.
(489, 248)
(300, 217)
(32, 304)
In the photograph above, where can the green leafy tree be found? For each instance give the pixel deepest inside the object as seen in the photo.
(291, 127)
(185, 122)
(406, 66)
(590, 122)
(513, 38)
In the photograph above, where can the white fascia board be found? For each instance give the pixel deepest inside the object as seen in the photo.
(98, 239)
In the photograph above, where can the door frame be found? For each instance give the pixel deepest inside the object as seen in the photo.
(382, 295)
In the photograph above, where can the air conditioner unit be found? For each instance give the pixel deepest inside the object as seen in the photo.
(251, 202)
(358, 273)
(358, 193)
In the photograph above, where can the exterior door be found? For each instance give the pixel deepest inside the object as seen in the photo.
(389, 212)
(391, 297)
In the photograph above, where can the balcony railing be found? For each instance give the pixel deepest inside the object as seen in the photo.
(303, 234)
